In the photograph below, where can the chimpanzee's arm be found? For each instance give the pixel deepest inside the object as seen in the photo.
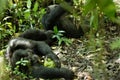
(45, 50)
(38, 35)
(39, 71)
(34, 34)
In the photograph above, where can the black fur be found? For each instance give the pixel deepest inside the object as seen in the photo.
(38, 35)
(55, 17)
(34, 34)
(39, 71)
(35, 69)
(51, 73)
(17, 56)
(54, 12)
(39, 48)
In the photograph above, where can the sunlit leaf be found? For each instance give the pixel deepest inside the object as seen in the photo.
(29, 4)
(55, 30)
(36, 5)
(9, 24)
(27, 14)
(108, 7)
(61, 31)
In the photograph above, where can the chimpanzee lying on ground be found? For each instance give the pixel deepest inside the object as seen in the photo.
(28, 49)
(40, 48)
(55, 17)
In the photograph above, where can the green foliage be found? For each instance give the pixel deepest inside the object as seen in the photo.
(2, 7)
(59, 36)
(19, 16)
(36, 5)
(17, 72)
(99, 7)
(22, 62)
(2, 52)
(105, 6)
(115, 44)
(28, 4)
(6, 29)
(49, 63)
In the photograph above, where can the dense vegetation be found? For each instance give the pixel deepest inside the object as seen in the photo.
(96, 55)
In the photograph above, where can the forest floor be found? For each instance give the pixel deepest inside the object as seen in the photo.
(93, 59)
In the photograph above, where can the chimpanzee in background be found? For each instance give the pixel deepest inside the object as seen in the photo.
(25, 48)
(55, 17)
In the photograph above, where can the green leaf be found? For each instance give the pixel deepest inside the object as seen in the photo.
(18, 62)
(110, 11)
(108, 7)
(27, 14)
(60, 42)
(94, 19)
(29, 4)
(49, 63)
(61, 31)
(2, 52)
(55, 30)
(36, 5)
(89, 6)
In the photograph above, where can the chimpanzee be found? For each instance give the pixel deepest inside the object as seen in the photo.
(36, 69)
(53, 14)
(38, 47)
(55, 17)
(25, 48)
(38, 35)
